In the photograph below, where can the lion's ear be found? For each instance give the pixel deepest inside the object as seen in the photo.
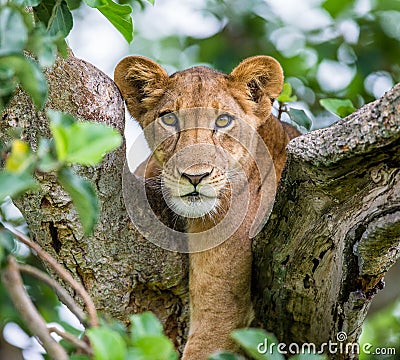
(140, 81)
(263, 76)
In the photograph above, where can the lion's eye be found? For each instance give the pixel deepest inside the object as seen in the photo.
(169, 119)
(223, 121)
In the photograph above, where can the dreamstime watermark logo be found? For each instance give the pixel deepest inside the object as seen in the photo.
(339, 346)
(199, 169)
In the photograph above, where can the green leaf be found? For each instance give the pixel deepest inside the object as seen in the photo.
(7, 80)
(225, 355)
(7, 243)
(44, 10)
(148, 339)
(24, 3)
(7, 85)
(300, 118)
(257, 343)
(89, 142)
(83, 196)
(286, 94)
(308, 357)
(81, 142)
(340, 107)
(106, 344)
(12, 184)
(96, 3)
(151, 2)
(13, 32)
(43, 45)
(79, 357)
(27, 73)
(118, 15)
(60, 20)
(46, 155)
(31, 2)
(145, 324)
(7, 240)
(153, 347)
(59, 123)
(74, 4)
(55, 15)
(335, 7)
(62, 47)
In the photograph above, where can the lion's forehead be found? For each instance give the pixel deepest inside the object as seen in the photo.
(200, 87)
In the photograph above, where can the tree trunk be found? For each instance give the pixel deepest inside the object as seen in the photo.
(333, 233)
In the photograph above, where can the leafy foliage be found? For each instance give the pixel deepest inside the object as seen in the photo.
(335, 49)
(118, 15)
(297, 117)
(82, 143)
(382, 330)
(339, 107)
(286, 94)
(76, 142)
(225, 355)
(146, 341)
(107, 344)
(260, 345)
(301, 118)
(15, 184)
(251, 339)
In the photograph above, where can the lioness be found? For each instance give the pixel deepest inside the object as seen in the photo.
(224, 121)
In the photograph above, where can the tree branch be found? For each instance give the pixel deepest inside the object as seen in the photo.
(60, 291)
(72, 339)
(91, 309)
(13, 282)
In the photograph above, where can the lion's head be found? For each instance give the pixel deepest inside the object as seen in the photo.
(202, 126)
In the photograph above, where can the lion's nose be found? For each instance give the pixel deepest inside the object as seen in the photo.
(195, 179)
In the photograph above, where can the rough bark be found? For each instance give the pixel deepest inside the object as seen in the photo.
(334, 230)
(333, 234)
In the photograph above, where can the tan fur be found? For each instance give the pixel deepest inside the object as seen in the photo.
(219, 278)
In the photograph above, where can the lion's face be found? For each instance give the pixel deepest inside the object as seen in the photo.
(201, 152)
(201, 126)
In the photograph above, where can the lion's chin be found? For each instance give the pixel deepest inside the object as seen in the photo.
(193, 206)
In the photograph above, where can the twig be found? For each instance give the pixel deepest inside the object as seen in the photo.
(13, 282)
(61, 292)
(72, 339)
(281, 110)
(45, 256)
